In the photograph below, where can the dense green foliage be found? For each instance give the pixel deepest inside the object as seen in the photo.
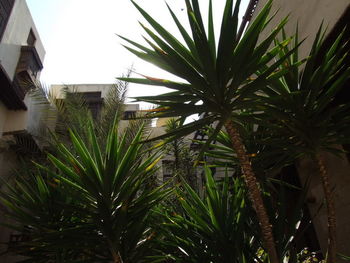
(93, 198)
(94, 203)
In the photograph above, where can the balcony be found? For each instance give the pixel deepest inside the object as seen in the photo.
(28, 67)
(29, 129)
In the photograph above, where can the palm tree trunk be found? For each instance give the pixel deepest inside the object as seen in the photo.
(115, 254)
(253, 191)
(332, 230)
(116, 257)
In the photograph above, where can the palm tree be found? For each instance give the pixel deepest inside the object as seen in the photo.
(184, 157)
(58, 114)
(301, 110)
(217, 78)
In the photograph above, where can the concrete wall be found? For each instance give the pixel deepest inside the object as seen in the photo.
(16, 121)
(57, 90)
(16, 33)
(29, 120)
(15, 36)
(3, 117)
(308, 14)
(339, 172)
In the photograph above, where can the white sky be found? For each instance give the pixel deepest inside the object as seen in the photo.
(81, 44)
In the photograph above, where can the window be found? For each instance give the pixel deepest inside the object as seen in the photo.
(5, 11)
(168, 168)
(94, 103)
(127, 115)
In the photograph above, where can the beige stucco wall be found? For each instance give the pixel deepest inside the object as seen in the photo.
(339, 172)
(16, 33)
(57, 89)
(308, 14)
(20, 120)
(161, 122)
(15, 121)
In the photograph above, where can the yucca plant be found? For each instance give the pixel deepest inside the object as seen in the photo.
(104, 199)
(300, 108)
(288, 218)
(269, 159)
(216, 228)
(217, 79)
(221, 226)
(36, 208)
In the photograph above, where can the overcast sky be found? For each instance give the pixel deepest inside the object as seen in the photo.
(81, 43)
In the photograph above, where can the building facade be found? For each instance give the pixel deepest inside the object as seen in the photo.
(21, 57)
(21, 60)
